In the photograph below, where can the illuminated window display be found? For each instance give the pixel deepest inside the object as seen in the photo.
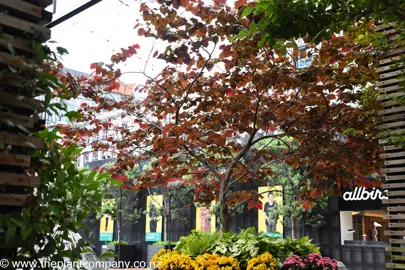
(362, 217)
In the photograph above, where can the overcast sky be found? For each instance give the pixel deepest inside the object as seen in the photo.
(102, 30)
(96, 33)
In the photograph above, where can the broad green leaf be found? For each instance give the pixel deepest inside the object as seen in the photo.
(115, 182)
(18, 222)
(25, 232)
(11, 49)
(62, 50)
(72, 115)
(93, 186)
(91, 175)
(247, 11)
(278, 45)
(54, 209)
(348, 130)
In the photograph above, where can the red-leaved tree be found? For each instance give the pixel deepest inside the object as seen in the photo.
(205, 113)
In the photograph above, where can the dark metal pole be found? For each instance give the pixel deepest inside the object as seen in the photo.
(54, 6)
(72, 13)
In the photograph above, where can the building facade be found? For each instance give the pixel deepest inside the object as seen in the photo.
(88, 155)
(353, 231)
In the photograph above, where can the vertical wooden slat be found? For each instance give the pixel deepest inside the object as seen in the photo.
(21, 24)
(391, 73)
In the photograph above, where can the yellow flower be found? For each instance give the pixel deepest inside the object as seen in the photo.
(262, 262)
(215, 262)
(175, 261)
(156, 257)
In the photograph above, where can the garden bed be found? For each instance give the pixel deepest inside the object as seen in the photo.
(245, 250)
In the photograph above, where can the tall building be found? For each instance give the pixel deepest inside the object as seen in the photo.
(89, 157)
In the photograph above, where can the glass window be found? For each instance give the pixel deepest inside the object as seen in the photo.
(363, 227)
(103, 135)
(305, 61)
(308, 61)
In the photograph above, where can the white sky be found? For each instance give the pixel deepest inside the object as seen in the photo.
(102, 30)
(85, 35)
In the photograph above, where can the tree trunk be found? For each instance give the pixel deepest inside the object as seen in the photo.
(118, 230)
(224, 217)
(293, 227)
(165, 217)
(165, 228)
(119, 237)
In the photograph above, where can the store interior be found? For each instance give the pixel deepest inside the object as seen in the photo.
(363, 227)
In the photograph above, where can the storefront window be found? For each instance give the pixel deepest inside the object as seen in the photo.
(365, 227)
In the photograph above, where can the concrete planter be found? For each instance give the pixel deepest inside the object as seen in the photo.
(152, 250)
(104, 249)
(342, 266)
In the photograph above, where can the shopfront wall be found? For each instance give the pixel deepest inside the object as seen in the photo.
(354, 233)
(335, 238)
(355, 254)
(362, 217)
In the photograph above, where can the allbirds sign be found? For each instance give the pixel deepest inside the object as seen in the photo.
(362, 194)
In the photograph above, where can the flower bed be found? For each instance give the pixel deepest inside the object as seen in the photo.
(263, 261)
(244, 251)
(167, 259)
(311, 262)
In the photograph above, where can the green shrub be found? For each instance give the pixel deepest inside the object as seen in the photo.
(245, 245)
(242, 246)
(301, 247)
(197, 243)
(114, 243)
(165, 243)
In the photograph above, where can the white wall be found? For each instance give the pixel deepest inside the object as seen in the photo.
(346, 219)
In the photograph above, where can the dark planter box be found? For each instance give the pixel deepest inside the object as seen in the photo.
(127, 253)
